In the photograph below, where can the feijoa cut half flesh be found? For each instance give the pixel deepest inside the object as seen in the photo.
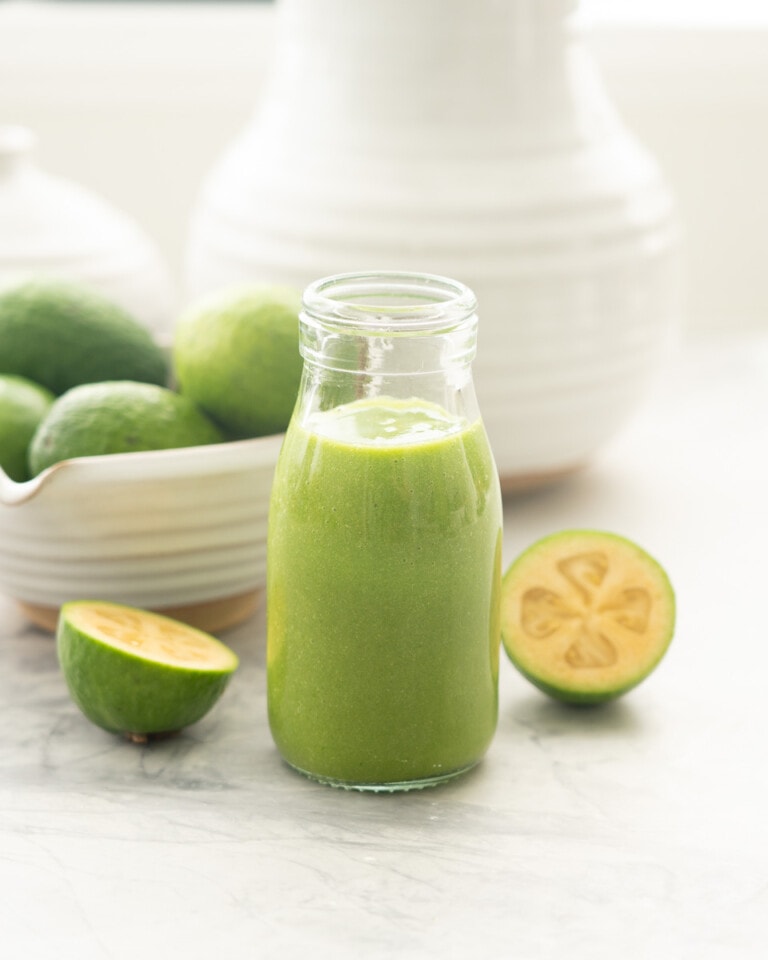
(586, 615)
(139, 673)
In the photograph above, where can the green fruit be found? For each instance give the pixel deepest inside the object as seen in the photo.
(118, 417)
(60, 335)
(237, 356)
(586, 615)
(23, 405)
(139, 673)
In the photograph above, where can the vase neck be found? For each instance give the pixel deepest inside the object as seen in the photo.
(463, 70)
(400, 39)
(340, 15)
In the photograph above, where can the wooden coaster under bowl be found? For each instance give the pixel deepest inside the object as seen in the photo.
(524, 482)
(211, 616)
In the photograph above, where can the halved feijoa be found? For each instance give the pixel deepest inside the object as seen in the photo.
(586, 615)
(139, 673)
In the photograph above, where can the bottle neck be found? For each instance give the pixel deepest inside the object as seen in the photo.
(404, 337)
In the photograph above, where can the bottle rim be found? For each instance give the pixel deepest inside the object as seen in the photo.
(390, 301)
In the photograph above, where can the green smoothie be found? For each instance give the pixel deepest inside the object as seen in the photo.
(384, 566)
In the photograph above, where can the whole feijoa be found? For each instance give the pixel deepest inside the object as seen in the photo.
(236, 354)
(23, 405)
(60, 335)
(118, 417)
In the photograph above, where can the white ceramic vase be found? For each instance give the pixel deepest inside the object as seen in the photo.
(52, 227)
(473, 139)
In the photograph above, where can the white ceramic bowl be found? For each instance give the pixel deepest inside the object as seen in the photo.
(182, 531)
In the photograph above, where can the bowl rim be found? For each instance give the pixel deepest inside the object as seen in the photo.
(143, 465)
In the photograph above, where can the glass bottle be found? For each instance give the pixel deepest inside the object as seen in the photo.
(384, 545)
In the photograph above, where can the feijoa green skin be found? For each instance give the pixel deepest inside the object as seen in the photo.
(236, 354)
(118, 417)
(23, 405)
(138, 673)
(59, 335)
(586, 615)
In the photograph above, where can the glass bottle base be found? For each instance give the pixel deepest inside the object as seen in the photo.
(400, 786)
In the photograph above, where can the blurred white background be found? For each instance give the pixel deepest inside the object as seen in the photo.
(137, 100)
(632, 833)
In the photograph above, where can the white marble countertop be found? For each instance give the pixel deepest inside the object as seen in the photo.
(638, 830)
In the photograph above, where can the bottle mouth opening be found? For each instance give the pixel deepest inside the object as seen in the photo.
(390, 302)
